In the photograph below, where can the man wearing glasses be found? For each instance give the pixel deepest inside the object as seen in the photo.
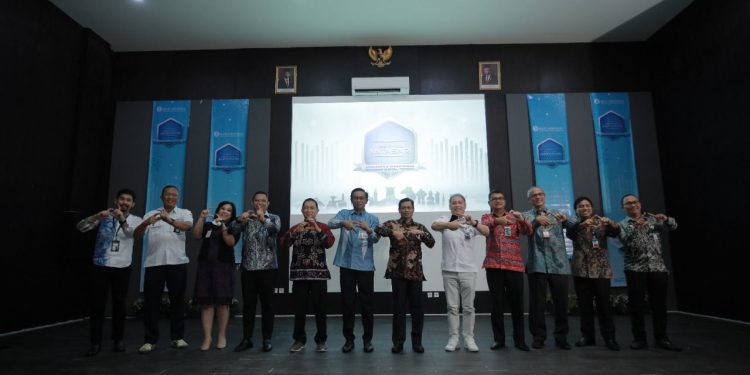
(645, 270)
(355, 260)
(547, 267)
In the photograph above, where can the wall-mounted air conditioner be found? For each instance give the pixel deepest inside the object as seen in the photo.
(380, 86)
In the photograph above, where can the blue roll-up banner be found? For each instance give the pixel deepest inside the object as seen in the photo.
(226, 172)
(617, 175)
(169, 131)
(549, 140)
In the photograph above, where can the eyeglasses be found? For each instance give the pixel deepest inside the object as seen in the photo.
(359, 198)
(630, 203)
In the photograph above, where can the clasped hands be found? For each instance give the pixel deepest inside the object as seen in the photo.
(400, 234)
(309, 224)
(259, 215)
(351, 224)
(544, 220)
(510, 218)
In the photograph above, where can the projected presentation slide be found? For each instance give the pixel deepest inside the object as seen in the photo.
(422, 147)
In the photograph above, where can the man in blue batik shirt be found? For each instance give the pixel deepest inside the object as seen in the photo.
(113, 254)
(355, 260)
(547, 265)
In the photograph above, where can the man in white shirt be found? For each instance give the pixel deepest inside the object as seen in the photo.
(166, 262)
(113, 253)
(459, 269)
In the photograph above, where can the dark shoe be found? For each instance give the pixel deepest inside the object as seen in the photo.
(612, 345)
(562, 344)
(417, 348)
(119, 346)
(638, 345)
(397, 348)
(368, 348)
(267, 346)
(522, 346)
(245, 344)
(538, 343)
(585, 342)
(94, 349)
(348, 346)
(667, 345)
(497, 345)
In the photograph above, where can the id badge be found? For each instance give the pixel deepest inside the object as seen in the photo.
(115, 246)
(655, 236)
(545, 234)
(507, 231)
(595, 243)
(208, 233)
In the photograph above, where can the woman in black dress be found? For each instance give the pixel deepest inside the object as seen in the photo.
(214, 283)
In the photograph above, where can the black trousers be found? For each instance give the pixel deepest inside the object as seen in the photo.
(357, 285)
(655, 284)
(175, 278)
(405, 293)
(504, 283)
(257, 285)
(558, 286)
(589, 290)
(102, 280)
(313, 292)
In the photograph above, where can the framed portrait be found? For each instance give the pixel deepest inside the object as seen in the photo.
(489, 75)
(286, 79)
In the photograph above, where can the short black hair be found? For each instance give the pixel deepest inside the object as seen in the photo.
(168, 187)
(367, 196)
(310, 200)
(407, 199)
(627, 195)
(260, 192)
(581, 199)
(127, 191)
(495, 191)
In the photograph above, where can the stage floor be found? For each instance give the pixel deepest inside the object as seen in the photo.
(710, 347)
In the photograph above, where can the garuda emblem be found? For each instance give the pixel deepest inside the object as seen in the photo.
(380, 58)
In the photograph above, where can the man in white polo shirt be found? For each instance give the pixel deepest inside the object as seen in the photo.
(166, 262)
(113, 253)
(459, 269)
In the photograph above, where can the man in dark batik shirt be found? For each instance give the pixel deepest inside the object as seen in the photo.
(645, 271)
(592, 271)
(258, 268)
(406, 273)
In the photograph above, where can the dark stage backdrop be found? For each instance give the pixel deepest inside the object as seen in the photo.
(57, 113)
(699, 63)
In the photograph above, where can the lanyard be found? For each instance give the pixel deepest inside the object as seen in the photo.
(115, 222)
